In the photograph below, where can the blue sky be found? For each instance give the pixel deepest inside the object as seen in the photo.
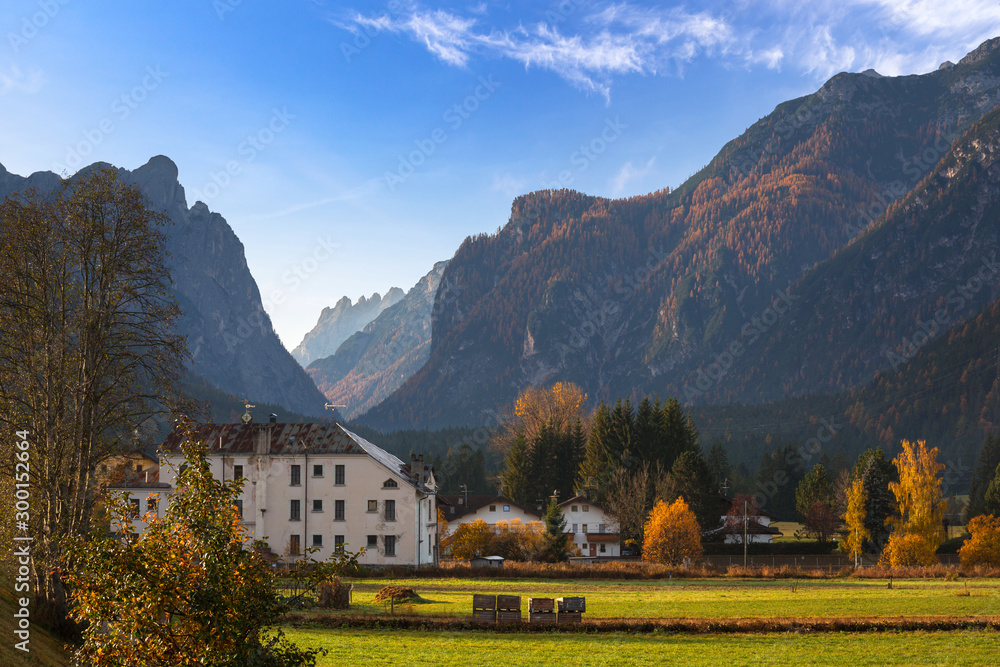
(351, 145)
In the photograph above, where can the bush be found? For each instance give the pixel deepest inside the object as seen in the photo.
(983, 545)
(908, 550)
(334, 595)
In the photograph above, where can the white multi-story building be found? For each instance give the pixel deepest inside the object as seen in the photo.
(313, 485)
(594, 532)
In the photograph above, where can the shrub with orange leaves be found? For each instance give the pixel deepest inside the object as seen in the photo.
(983, 545)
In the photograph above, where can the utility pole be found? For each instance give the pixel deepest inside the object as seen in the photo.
(745, 521)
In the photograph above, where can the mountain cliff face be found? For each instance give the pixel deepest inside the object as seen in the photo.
(230, 338)
(670, 292)
(336, 324)
(374, 362)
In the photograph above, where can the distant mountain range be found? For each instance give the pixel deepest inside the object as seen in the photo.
(804, 258)
(374, 362)
(337, 324)
(232, 343)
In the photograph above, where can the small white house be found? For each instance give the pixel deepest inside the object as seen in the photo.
(467, 508)
(319, 486)
(593, 531)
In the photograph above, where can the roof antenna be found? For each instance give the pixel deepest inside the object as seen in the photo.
(333, 409)
(247, 418)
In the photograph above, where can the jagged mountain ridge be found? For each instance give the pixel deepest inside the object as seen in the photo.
(637, 295)
(337, 324)
(229, 335)
(375, 361)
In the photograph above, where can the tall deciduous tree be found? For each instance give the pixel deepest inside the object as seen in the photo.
(918, 527)
(672, 534)
(855, 528)
(87, 352)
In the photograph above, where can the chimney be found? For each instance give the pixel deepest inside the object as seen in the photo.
(272, 419)
(146, 477)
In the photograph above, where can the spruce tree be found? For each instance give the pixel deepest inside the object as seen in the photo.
(597, 465)
(983, 476)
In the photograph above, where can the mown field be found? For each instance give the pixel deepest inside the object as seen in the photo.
(707, 598)
(367, 647)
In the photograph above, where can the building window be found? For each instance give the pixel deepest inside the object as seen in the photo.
(294, 545)
(493, 508)
(295, 510)
(390, 484)
(338, 543)
(317, 505)
(239, 508)
(506, 508)
(602, 549)
(338, 475)
(373, 506)
(573, 529)
(586, 508)
(317, 540)
(584, 528)
(237, 472)
(373, 541)
(390, 510)
(318, 470)
(338, 510)
(138, 467)
(602, 528)
(151, 505)
(572, 508)
(134, 502)
(390, 545)
(296, 475)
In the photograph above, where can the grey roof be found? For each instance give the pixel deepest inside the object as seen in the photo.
(289, 439)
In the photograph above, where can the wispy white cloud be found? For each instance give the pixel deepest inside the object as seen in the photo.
(509, 184)
(14, 80)
(596, 44)
(629, 173)
(620, 39)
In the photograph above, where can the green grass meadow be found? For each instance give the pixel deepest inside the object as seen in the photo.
(707, 598)
(367, 647)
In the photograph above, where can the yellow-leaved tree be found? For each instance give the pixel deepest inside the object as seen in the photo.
(558, 406)
(917, 529)
(983, 545)
(855, 534)
(672, 534)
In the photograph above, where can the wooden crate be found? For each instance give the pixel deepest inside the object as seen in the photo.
(572, 604)
(509, 616)
(541, 604)
(509, 602)
(569, 617)
(543, 617)
(484, 601)
(484, 616)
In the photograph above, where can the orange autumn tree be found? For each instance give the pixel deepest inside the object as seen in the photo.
(983, 545)
(917, 528)
(672, 534)
(855, 532)
(558, 406)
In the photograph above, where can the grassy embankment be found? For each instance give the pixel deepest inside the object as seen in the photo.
(46, 651)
